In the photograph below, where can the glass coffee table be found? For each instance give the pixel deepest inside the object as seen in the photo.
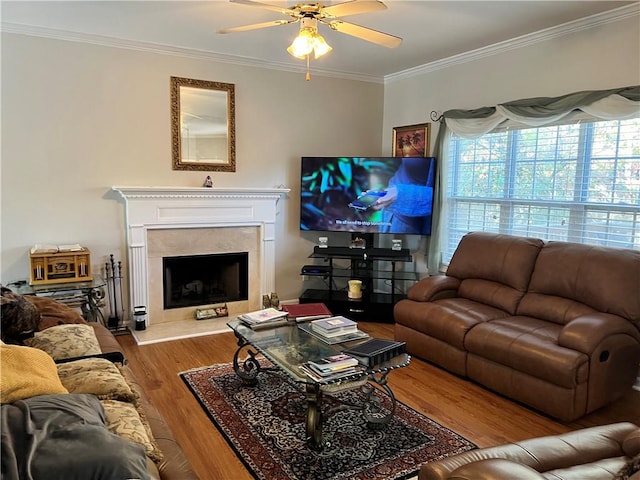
(287, 347)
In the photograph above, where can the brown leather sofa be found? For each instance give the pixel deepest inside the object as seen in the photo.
(604, 452)
(175, 465)
(554, 325)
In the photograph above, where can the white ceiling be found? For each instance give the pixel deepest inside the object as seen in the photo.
(431, 30)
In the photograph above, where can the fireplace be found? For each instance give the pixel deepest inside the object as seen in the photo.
(195, 280)
(192, 221)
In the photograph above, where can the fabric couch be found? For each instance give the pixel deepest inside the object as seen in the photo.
(554, 325)
(603, 452)
(71, 376)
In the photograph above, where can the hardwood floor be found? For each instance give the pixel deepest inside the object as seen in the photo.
(466, 408)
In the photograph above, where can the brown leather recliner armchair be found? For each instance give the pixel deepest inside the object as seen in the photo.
(592, 453)
(554, 325)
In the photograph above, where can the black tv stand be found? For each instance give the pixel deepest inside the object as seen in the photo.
(363, 253)
(367, 265)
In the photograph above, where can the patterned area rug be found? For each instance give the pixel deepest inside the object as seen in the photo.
(265, 424)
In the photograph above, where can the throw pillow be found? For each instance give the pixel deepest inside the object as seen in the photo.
(19, 318)
(123, 420)
(27, 372)
(66, 341)
(97, 376)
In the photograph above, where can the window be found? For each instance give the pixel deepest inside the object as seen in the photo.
(576, 182)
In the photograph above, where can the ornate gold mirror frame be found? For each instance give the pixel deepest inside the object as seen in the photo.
(203, 125)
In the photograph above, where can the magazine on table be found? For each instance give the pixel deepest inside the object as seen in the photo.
(346, 337)
(334, 326)
(333, 363)
(268, 317)
(307, 370)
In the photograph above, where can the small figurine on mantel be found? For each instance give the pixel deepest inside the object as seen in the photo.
(208, 182)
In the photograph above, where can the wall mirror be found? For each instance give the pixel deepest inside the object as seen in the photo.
(203, 125)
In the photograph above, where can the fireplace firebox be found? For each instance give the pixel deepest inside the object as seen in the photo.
(195, 280)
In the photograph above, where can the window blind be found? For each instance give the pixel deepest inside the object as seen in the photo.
(577, 182)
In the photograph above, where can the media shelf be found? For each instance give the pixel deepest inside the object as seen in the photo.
(368, 265)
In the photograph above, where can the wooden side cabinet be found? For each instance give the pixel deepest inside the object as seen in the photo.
(62, 267)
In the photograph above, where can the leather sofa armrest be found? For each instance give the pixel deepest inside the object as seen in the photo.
(434, 288)
(495, 469)
(631, 444)
(586, 332)
(175, 465)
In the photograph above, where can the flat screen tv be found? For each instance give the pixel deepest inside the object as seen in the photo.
(367, 194)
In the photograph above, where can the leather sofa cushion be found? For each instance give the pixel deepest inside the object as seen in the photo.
(490, 293)
(501, 469)
(573, 455)
(448, 320)
(495, 469)
(529, 345)
(500, 259)
(605, 279)
(552, 308)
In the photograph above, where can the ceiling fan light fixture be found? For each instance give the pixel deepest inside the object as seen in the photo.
(309, 40)
(320, 46)
(303, 44)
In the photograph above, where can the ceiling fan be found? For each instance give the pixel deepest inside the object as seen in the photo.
(310, 14)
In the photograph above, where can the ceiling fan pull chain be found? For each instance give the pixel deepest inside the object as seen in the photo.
(308, 76)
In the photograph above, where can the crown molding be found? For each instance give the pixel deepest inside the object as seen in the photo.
(568, 28)
(114, 42)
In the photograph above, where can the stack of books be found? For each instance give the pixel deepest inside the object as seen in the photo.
(375, 351)
(331, 368)
(38, 248)
(334, 326)
(266, 318)
(305, 312)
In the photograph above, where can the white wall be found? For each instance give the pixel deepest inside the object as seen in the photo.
(79, 118)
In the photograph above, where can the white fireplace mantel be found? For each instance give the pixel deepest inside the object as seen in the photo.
(196, 207)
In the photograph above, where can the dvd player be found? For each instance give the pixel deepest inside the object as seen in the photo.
(315, 270)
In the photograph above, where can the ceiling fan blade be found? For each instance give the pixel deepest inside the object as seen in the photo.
(368, 34)
(255, 26)
(353, 7)
(275, 8)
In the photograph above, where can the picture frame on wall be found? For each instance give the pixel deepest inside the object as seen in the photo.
(412, 140)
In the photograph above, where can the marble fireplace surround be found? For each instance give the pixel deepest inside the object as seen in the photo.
(157, 218)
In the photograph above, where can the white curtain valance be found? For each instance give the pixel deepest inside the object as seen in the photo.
(614, 107)
(618, 105)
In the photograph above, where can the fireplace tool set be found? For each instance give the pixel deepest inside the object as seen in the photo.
(114, 286)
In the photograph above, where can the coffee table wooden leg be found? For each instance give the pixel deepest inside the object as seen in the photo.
(314, 416)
